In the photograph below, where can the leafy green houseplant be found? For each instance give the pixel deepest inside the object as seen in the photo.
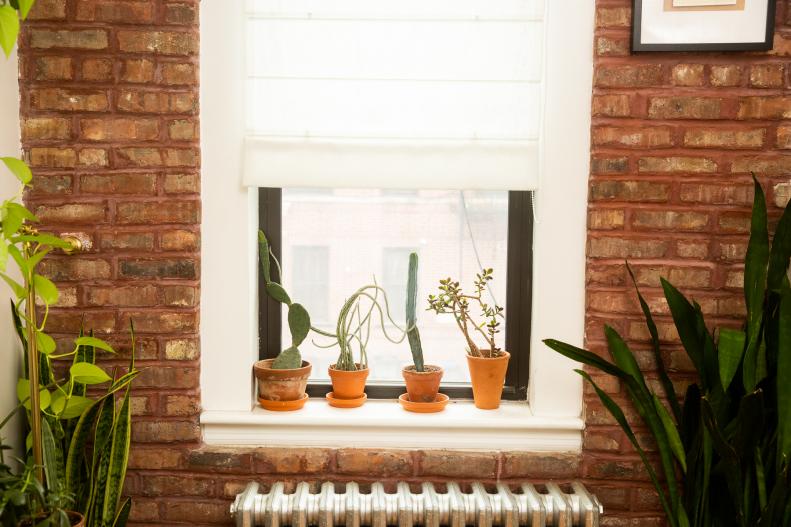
(725, 454)
(422, 380)
(488, 364)
(78, 445)
(24, 501)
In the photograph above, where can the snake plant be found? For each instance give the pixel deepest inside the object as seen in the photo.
(725, 454)
(413, 335)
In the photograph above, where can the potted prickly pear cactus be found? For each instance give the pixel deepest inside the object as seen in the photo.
(422, 380)
(282, 381)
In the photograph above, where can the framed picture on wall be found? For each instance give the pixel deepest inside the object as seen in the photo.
(702, 25)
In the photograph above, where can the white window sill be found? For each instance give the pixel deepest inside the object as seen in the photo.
(385, 424)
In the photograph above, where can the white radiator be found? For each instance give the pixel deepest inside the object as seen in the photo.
(337, 504)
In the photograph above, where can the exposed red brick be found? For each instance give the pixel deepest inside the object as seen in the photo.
(115, 11)
(292, 460)
(688, 75)
(100, 70)
(685, 107)
(54, 68)
(375, 463)
(78, 39)
(45, 128)
(725, 75)
(158, 42)
(457, 464)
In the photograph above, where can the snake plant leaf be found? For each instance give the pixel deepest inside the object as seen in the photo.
(684, 318)
(88, 373)
(123, 381)
(119, 457)
(277, 292)
(623, 356)
(45, 289)
(664, 378)
(755, 275)
(93, 342)
(780, 253)
(620, 418)
(263, 255)
(783, 379)
(123, 513)
(730, 347)
(586, 357)
(674, 439)
(298, 323)
(17, 166)
(101, 459)
(75, 456)
(23, 394)
(49, 450)
(730, 459)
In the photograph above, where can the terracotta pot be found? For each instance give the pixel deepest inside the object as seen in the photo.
(75, 519)
(488, 377)
(281, 385)
(422, 387)
(348, 384)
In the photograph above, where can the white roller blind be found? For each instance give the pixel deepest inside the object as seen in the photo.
(406, 94)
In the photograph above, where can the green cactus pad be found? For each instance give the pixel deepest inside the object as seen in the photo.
(289, 359)
(298, 323)
(277, 292)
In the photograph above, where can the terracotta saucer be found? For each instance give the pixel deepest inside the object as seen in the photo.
(283, 406)
(437, 405)
(346, 403)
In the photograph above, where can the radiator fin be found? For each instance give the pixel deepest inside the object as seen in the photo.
(344, 504)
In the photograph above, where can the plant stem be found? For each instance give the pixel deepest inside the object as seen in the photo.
(33, 373)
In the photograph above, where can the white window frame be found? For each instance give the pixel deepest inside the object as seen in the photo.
(550, 419)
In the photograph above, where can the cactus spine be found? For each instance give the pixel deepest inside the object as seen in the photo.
(411, 315)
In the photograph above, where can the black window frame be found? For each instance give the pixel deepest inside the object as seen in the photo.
(518, 303)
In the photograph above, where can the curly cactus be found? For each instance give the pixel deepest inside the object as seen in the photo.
(411, 314)
(298, 317)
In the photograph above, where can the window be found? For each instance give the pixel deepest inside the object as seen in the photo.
(550, 418)
(371, 233)
(309, 279)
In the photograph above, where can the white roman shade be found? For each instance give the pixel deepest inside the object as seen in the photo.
(393, 94)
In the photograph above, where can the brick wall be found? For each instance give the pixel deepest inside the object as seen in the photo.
(110, 122)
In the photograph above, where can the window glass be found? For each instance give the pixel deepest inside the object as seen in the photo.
(336, 241)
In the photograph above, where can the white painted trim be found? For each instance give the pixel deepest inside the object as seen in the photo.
(10, 352)
(229, 277)
(385, 424)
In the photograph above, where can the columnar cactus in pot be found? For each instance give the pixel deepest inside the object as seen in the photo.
(422, 381)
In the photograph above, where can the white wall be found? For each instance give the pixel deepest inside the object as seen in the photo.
(10, 353)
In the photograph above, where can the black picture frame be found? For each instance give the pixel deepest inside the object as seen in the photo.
(637, 45)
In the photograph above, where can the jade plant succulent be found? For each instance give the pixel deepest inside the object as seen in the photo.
(298, 317)
(454, 301)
